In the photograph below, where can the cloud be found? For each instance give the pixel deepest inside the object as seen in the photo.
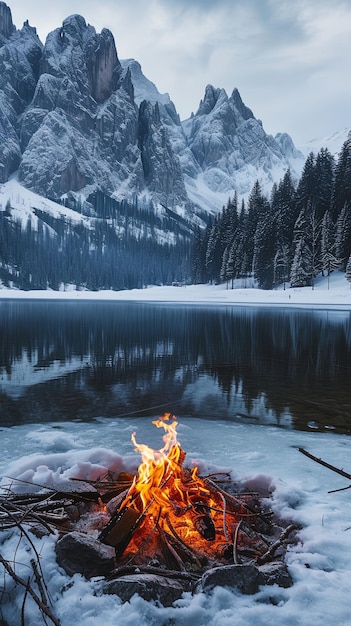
(289, 59)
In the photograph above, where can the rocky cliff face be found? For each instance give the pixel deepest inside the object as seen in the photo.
(74, 118)
(20, 53)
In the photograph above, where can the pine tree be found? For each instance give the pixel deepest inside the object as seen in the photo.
(343, 235)
(300, 269)
(265, 248)
(257, 205)
(306, 189)
(348, 270)
(214, 252)
(329, 261)
(306, 262)
(281, 265)
(342, 182)
(324, 181)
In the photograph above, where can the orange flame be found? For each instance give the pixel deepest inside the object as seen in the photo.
(152, 485)
(157, 466)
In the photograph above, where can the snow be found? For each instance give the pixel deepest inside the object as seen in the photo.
(319, 564)
(144, 89)
(336, 295)
(23, 202)
(333, 142)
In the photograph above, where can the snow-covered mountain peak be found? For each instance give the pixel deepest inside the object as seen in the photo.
(213, 98)
(144, 89)
(242, 109)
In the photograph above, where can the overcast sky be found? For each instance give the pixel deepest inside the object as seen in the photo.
(290, 59)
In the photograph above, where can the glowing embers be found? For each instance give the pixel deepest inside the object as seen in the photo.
(173, 517)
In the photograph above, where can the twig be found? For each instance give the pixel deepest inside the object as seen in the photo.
(42, 606)
(235, 543)
(37, 578)
(340, 489)
(236, 502)
(194, 555)
(225, 530)
(274, 547)
(325, 464)
(167, 547)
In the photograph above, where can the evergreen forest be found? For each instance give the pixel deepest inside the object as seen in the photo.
(301, 230)
(117, 246)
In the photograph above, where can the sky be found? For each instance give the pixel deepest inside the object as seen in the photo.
(288, 58)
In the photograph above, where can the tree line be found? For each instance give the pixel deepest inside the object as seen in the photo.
(121, 246)
(301, 230)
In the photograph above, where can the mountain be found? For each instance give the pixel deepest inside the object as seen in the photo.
(223, 148)
(74, 118)
(333, 142)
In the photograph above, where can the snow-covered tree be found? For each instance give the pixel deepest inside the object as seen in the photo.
(329, 261)
(348, 270)
(342, 182)
(265, 246)
(343, 235)
(306, 262)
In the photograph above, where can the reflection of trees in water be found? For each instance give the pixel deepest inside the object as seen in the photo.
(129, 357)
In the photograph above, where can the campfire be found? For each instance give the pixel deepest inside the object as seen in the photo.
(173, 517)
(158, 533)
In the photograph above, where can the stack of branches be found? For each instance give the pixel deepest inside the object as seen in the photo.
(49, 511)
(17, 512)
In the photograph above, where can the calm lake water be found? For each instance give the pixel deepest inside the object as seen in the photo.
(81, 361)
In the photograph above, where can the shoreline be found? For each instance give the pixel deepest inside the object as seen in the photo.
(337, 296)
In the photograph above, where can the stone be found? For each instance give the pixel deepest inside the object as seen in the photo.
(275, 573)
(6, 25)
(80, 553)
(244, 578)
(147, 586)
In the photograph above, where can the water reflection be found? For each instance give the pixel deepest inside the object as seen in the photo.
(68, 360)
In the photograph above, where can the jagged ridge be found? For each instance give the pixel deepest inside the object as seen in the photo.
(75, 118)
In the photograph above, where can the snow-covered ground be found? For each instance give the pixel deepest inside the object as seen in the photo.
(320, 564)
(335, 293)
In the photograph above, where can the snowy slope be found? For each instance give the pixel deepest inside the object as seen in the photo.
(333, 142)
(24, 202)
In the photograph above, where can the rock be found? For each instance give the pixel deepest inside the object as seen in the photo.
(244, 578)
(82, 554)
(162, 172)
(148, 586)
(6, 25)
(275, 573)
(20, 52)
(103, 65)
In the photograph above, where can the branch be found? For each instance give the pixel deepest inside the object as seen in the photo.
(42, 606)
(325, 464)
(274, 547)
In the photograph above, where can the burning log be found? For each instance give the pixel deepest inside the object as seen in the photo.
(120, 529)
